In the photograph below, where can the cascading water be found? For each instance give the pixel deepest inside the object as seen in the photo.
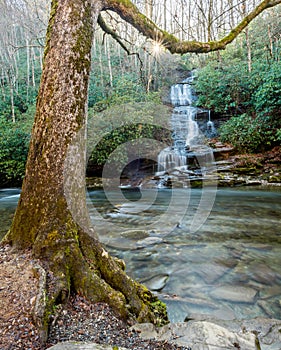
(211, 130)
(186, 134)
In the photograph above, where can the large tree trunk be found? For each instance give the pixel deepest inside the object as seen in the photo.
(53, 192)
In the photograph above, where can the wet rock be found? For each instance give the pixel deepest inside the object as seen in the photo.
(270, 308)
(237, 294)
(94, 182)
(135, 234)
(230, 181)
(156, 283)
(201, 302)
(257, 246)
(144, 257)
(270, 291)
(222, 152)
(210, 272)
(274, 178)
(149, 241)
(253, 182)
(178, 307)
(241, 273)
(268, 332)
(229, 262)
(262, 273)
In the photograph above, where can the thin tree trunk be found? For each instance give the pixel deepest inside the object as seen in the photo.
(249, 50)
(270, 41)
(27, 69)
(248, 43)
(165, 15)
(210, 20)
(11, 86)
(107, 46)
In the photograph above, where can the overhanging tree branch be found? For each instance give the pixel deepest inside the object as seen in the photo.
(113, 33)
(130, 13)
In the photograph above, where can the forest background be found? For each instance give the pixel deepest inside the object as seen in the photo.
(241, 84)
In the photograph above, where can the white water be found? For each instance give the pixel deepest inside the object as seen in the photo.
(184, 127)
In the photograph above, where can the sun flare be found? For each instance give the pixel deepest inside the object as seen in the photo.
(157, 48)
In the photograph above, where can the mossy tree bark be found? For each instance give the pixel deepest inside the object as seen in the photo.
(53, 192)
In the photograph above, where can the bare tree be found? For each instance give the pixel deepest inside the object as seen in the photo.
(22, 28)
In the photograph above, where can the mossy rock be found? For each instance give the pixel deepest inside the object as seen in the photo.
(196, 183)
(274, 179)
(245, 170)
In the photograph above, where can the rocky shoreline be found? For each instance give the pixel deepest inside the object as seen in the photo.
(229, 170)
(247, 169)
(81, 325)
(256, 334)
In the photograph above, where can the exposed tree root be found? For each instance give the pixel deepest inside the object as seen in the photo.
(81, 265)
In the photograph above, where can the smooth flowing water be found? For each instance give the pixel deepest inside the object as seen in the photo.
(228, 268)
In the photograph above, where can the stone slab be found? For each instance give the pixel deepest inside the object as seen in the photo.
(202, 335)
(237, 294)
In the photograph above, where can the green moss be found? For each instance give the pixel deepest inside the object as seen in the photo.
(170, 38)
(54, 7)
(196, 183)
(159, 310)
(53, 236)
(81, 58)
(126, 3)
(274, 178)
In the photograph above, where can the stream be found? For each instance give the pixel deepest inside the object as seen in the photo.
(228, 268)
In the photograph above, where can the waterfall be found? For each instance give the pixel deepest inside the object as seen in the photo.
(184, 127)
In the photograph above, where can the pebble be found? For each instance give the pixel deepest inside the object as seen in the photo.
(96, 323)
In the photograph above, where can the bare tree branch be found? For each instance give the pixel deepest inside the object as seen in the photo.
(114, 34)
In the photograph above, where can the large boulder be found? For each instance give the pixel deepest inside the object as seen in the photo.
(201, 335)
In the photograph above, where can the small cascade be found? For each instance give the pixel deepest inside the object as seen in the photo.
(211, 130)
(170, 158)
(181, 95)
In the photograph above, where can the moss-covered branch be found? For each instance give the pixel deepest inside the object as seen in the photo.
(130, 13)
